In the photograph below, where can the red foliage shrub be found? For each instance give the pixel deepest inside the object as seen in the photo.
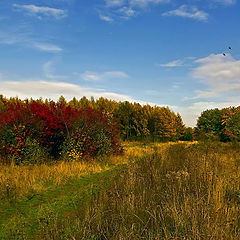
(53, 124)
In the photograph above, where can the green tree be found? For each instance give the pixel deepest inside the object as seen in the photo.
(209, 124)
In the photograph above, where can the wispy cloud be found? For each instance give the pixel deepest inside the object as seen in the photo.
(114, 3)
(105, 18)
(96, 76)
(49, 70)
(24, 39)
(46, 47)
(226, 2)
(127, 12)
(188, 12)
(8, 38)
(175, 63)
(125, 9)
(138, 3)
(145, 3)
(41, 11)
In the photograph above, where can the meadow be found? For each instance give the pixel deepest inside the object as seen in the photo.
(152, 191)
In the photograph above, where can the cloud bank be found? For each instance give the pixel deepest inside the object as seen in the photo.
(53, 90)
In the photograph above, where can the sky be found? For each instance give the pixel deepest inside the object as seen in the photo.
(160, 52)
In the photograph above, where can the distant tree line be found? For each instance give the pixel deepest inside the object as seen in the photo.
(136, 121)
(219, 124)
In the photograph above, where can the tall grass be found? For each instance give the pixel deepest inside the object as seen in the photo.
(17, 182)
(166, 191)
(182, 191)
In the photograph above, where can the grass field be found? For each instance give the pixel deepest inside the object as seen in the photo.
(153, 191)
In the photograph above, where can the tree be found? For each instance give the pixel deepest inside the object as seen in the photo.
(62, 100)
(85, 103)
(210, 124)
(231, 123)
(164, 124)
(180, 127)
(124, 113)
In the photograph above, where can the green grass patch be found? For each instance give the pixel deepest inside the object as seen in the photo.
(24, 219)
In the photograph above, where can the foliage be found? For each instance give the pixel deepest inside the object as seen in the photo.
(28, 125)
(218, 124)
(93, 134)
(81, 128)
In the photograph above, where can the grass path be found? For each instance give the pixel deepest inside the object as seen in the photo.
(27, 215)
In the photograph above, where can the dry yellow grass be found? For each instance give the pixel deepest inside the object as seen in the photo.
(181, 192)
(17, 181)
(177, 191)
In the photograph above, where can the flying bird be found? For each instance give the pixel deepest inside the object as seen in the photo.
(224, 54)
(230, 48)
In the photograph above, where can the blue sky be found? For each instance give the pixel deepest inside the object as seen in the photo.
(161, 52)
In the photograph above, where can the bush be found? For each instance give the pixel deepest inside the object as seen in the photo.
(93, 134)
(30, 132)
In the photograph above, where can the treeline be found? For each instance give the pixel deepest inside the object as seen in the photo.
(219, 124)
(138, 121)
(81, 128)
(135, 120)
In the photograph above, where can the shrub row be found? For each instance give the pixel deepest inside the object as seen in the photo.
(31, 132)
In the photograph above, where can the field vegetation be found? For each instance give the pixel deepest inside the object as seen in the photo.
(155, 191)
(67, 171)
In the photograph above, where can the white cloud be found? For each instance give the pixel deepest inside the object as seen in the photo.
(96, 76)
(125, 9)
(91, 76)
(188, 12)
(105, 18)
(191, 113)
(221, 75)
(144, 3)
(46, 47)
(218, 68)
(114, 3)
(53, 90)
(46, 89)
(40, 11)
(175, 63)
(196, 108)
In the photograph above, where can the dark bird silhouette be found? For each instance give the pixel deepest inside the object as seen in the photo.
(230, 48)
(224, 54)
